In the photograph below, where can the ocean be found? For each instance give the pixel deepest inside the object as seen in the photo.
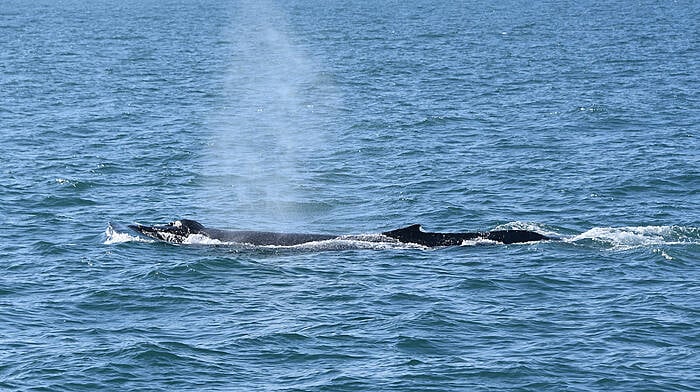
(578, 120)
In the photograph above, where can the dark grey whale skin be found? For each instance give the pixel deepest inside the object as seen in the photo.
(414, 235)
(176, 232)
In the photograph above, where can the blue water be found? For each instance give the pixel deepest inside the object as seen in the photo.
(578, 119)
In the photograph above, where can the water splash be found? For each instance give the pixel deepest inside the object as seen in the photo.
(530, 226)
(115, 235)
(623, 238)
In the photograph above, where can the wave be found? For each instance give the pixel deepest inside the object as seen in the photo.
(618, 238)
(630, 237)
(529, 226)
(114, 234)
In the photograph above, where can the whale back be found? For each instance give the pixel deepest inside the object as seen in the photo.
(407, 231)
(415, 234)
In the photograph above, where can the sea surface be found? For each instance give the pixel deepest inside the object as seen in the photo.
(576, 119)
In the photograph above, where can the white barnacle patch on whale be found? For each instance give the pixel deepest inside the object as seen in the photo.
(201, 239)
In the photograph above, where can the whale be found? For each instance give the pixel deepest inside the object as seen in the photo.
(179, 231)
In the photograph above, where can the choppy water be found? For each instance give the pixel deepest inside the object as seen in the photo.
(575, 119)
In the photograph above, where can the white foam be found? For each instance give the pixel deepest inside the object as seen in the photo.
(663, 254)
(113, 236)
(529, 226)
(638, 236)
